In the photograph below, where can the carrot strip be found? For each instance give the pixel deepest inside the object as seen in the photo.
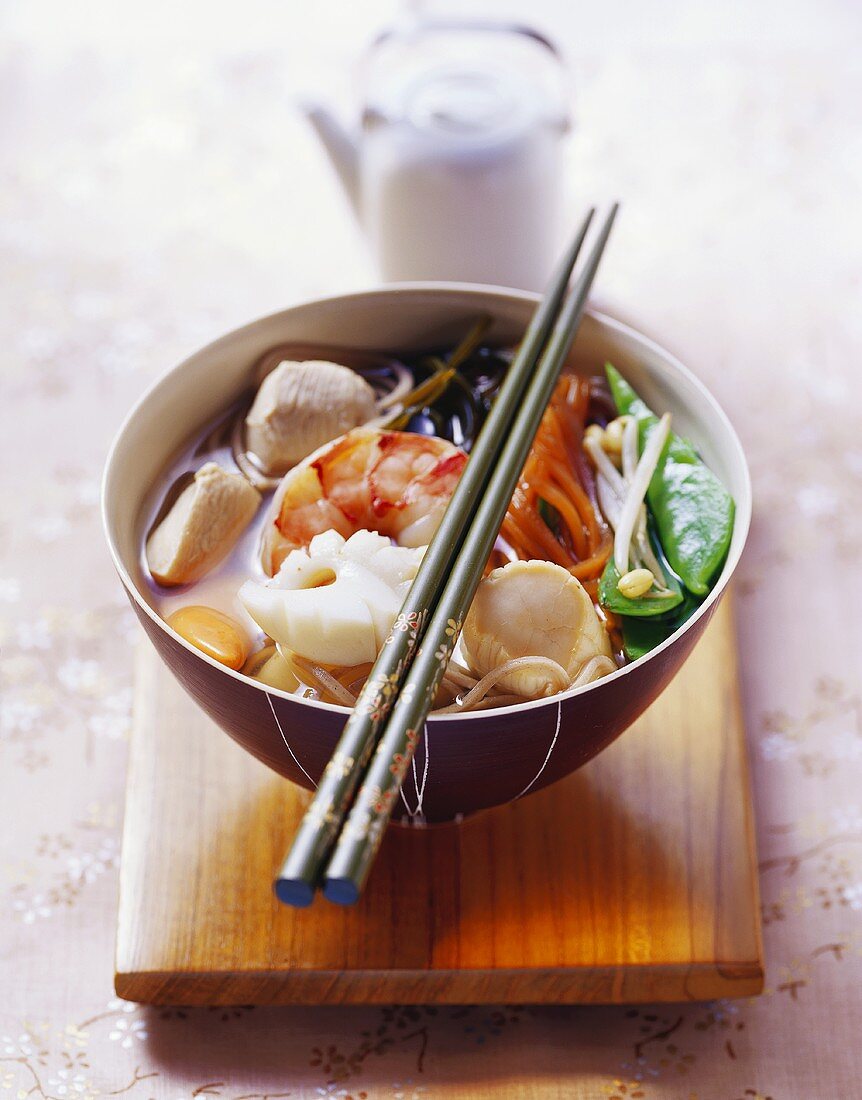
(558, 472)
(541, 535)
(570, 515)
(581, 501)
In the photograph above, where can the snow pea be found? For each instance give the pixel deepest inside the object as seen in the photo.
(640, 636)
(643, 606)
(692, 510)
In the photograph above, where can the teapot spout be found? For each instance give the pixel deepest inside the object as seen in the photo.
(341, 147)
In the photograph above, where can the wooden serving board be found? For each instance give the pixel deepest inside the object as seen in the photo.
(632, 880)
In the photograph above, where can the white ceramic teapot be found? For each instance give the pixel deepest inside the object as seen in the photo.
(456, 168)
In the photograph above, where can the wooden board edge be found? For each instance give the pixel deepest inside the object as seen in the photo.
(747, 786)
(574, 985)
(144, 670)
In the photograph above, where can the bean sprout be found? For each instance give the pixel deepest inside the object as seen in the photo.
(636, 491)
(604, 465)
(630, 447)
(641, 553)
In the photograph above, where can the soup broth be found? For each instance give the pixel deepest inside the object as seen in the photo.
(590, 569)
(457, 415)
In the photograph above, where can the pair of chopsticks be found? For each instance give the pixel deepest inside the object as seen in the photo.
(365, 773)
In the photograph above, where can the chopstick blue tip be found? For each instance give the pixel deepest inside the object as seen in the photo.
(341, 891)
(295, 893)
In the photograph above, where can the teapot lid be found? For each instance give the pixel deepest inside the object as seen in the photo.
(464, 80)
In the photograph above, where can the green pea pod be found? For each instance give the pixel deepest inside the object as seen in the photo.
(640, 636)
(693, 512)
(643, 606)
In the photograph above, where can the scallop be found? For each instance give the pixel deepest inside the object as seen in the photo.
(302, 405)
(532, 609)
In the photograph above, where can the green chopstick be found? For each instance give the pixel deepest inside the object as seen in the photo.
(361, 835)
(303, 867)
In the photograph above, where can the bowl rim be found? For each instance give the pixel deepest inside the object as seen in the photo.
(742, 512)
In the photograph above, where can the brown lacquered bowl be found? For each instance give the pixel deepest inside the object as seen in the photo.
(476, 760)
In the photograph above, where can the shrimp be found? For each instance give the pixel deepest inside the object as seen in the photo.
(395, 483)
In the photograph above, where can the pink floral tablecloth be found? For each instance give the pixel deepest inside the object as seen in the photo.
(157, 188)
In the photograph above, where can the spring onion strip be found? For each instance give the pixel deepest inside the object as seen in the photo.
(636, 491)
(426, 393)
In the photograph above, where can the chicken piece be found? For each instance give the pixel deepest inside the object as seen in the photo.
(301, 406)
(202, 527)
(532, 609)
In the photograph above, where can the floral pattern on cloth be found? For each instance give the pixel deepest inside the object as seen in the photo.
(143, 217)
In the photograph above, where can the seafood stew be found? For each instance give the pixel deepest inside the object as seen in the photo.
(282, 540)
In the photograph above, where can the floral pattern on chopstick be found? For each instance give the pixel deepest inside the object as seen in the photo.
(401, 760)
